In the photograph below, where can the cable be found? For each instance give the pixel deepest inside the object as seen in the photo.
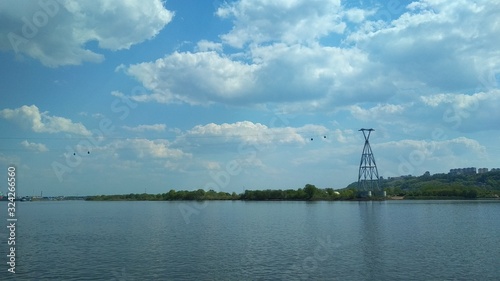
(174, 142)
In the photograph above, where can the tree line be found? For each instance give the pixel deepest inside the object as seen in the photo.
(467, 186)
(199, 194)
(309, 192)
(486, 185)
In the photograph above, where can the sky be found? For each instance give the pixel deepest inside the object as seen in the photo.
(118, 97)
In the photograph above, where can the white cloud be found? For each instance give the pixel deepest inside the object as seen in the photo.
(205, 46)
(245, 131)
(287, 65)
(432, 47)
(39, 147)
(343, 136)
(473, 112)
(445, 46)
(357, 15)
(211, 165)
(143, 128)
(414, 157)
(194, 78)
(460, 100)
(455, 146)
(471, 145)
(379, 112)
(98, 116)
(42, 122)
(291, 22)
(277, 73)
(145, 148)
(155, 155)
(253, 133)
(9, 160)
(56, 32)
(292, 73)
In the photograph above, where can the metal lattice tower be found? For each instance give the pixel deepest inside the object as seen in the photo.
(368, 179)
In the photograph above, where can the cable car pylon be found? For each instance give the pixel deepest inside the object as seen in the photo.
(368, 178)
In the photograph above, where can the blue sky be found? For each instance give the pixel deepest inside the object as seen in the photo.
(116, 97)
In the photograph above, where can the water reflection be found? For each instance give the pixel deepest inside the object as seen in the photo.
(372, 239)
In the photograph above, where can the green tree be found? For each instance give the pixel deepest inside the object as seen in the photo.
(234, 196)
(199, 194)
(310, 191)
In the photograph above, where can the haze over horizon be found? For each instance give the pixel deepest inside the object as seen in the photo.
(103, 98)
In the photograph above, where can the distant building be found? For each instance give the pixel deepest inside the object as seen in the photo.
(399, 178)
(482, 170)
(463, 171)
(495, 169)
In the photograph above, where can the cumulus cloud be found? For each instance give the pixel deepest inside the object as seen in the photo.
(292, 67)
(143, 128)
(42, 122)
(194, 78)
(414, 157)
(379, 112)
(205, 46)
(357, 15)
(456, 146)
(278, 73)
(38, 147)
(211, 165)
(145, 148)
(155, 148)
(470, 113)
(286, 56)
(443, 45)
(56, 32)
(253, 133)
(344, 136)
(460, 100)
(260, 21)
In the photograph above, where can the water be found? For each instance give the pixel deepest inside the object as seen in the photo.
(392, 240)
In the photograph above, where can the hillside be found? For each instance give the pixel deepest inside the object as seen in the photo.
(484, 185)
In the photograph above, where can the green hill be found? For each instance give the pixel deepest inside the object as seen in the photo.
(484, 185)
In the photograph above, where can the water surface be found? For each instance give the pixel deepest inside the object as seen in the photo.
(235, 240)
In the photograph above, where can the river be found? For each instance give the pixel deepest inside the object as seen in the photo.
(237, 240)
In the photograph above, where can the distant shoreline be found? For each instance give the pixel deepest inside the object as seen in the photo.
(393, 198)
(156, 197)
(318, 200)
